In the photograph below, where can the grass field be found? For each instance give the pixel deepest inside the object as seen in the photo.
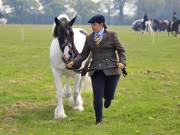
(147, 102)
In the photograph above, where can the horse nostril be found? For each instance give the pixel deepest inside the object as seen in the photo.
(65, 57)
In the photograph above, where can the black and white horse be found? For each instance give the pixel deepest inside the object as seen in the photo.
(137, 25)
(66, 44)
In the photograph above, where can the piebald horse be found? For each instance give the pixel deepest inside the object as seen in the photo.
(66, 44)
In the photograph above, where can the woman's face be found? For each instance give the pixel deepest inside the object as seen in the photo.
(96, 27)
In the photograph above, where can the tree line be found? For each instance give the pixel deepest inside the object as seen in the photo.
(44, 11)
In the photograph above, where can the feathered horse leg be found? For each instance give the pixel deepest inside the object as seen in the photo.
(59, 111)
(76, 98)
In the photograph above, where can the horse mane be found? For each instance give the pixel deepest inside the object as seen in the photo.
(60, 32)
(55, 32)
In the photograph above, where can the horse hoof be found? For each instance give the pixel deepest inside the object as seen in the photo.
(78, 108)
(59, 115)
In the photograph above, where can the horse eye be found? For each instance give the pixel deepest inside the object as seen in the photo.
(70, 53)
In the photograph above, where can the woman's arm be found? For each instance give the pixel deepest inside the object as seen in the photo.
(81, 57)
(120, 49)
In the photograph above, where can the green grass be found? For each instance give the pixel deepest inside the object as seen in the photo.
(147, 102)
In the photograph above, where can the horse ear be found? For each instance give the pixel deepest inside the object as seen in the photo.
(56, 20)
(72, 21)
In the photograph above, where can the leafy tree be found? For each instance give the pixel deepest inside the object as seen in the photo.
(107, 8)
(84, 9)
(153, 8)
(22, 9)
(27, 11)
(51, 9)
(22, 6)
(171, 6)
(120, 6)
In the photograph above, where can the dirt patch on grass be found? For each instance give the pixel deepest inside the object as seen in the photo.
(163, 77)
(17, 82)
(12, 111)
(8, 128)
(18, 107)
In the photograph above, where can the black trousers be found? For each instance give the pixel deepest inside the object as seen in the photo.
(103, 87)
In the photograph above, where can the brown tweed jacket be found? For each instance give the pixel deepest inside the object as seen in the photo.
(103, 56)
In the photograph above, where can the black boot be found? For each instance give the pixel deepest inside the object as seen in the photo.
(99, 122)
(107, 103)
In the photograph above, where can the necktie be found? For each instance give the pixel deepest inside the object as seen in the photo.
(98, 40)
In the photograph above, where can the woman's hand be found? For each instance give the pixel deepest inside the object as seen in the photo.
(121, 65)
(69, 65)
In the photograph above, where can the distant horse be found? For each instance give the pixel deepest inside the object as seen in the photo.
(169, 29)
(66, 44)
(3, 20)
(138, 25)
(160, 25)
(173, 27)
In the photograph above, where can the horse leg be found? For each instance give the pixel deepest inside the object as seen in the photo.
(144, 32)
(59, 111)
(150, 29)
(176, 32)
(78, 102)
(67, 88)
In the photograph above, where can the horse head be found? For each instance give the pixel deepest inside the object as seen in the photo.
(64, 32)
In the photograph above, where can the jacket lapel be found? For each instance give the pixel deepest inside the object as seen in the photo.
(104, 38)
